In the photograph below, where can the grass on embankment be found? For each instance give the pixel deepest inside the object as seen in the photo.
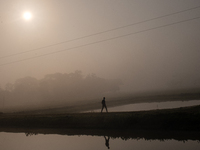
(171, 119)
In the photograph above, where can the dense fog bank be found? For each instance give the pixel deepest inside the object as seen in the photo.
(56, 89)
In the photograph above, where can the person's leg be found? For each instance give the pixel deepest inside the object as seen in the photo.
(106, 108)
(102, 108)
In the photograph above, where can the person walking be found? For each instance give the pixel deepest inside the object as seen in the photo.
(104, 105)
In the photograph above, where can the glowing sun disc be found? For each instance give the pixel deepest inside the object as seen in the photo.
(27, 15)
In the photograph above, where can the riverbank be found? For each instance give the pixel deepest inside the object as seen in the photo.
(118, 100)
(184, 119)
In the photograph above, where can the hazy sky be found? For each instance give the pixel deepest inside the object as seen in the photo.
(150, 55)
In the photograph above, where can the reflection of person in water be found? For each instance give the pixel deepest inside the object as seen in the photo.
(104, 104)
(107, 142)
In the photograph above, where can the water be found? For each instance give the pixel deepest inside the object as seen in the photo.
(151, 106)
(82, 140)
(19, 141)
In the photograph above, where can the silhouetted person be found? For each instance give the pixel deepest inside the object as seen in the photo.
(104, 105)
(107, 142)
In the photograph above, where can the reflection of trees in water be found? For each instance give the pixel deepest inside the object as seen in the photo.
(160, 135)
(30, 134)
(151, 138)
(125, 135)
(148, 139)
(107, 139)
(126, 138)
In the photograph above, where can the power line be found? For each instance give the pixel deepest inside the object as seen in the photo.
(101, 41)
(97, 33)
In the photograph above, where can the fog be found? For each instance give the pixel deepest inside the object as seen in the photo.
(56, 90)
(120, 46)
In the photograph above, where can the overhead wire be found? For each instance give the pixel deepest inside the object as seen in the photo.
(102, 32)
(100, 41)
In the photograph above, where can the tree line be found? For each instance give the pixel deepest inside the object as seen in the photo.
(57, 88)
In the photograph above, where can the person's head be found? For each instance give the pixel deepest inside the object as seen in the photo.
(104, 98)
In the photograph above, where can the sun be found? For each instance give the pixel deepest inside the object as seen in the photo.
(27, 15)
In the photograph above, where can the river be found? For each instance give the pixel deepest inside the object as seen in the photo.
(22, 141)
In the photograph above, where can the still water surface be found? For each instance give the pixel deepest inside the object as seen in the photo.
(19, 141)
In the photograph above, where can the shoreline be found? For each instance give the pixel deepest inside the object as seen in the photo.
(88, 105)
(180, 119)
